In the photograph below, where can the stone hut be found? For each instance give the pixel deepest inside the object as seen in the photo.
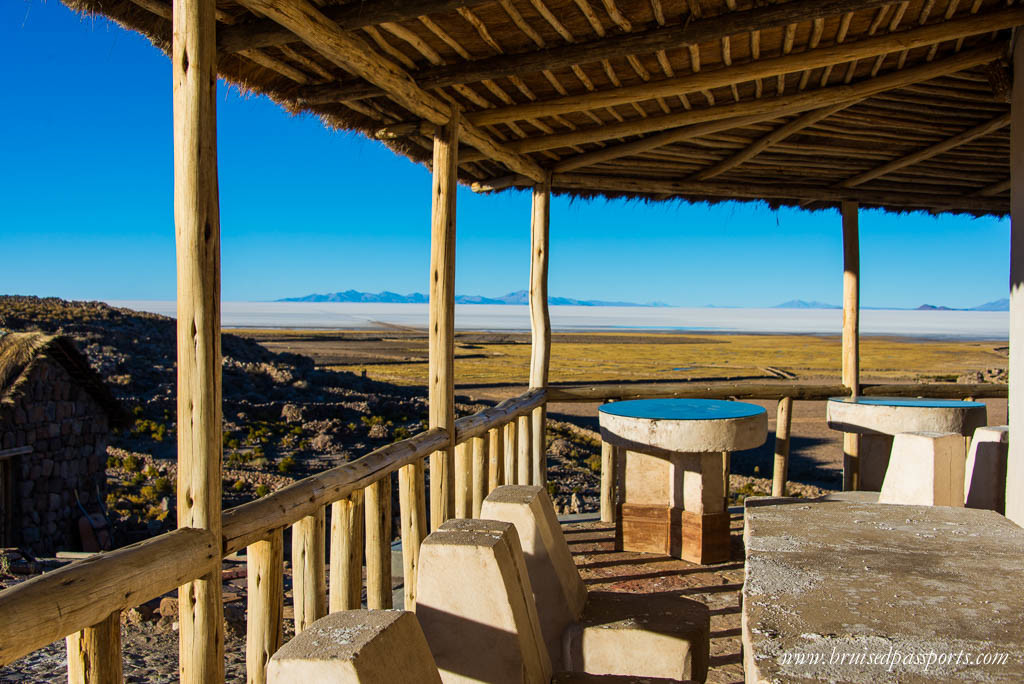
(55, 417)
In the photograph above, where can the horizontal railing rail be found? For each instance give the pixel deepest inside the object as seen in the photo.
(51, 606)
(746, 390)
(479, 423)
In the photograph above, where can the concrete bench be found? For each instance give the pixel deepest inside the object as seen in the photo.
(925, 469)
(603, 633)
(985, 483)
(364, 646)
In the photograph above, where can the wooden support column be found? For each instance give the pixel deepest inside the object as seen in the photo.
(479, 485)
(347, 521)
(442, 315)
(780, 473)
(413, 514)
(378, 544)
(540, 324)
(851, 336)
(524, 460)
(309, 581)
(608, 480)
(197, 237)
(265, 597)
(94, 654)
(1015, 409)
(495, 458)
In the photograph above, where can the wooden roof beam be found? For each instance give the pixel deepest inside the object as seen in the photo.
(809, 59)
(804, 121)
(356, 15)
(995, 188)
(353, 54)
(934, 150)
(639, 42)
(672, 126)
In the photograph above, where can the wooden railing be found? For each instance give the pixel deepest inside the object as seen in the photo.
(496, 446)
(83, 601)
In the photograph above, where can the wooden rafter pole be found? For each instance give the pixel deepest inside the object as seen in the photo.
(441, 364)
(851, 335)
(197, 235)
(540, 321)
(979, 131)
(353, 54)
(778, 135)
(669, 126)
(696, 32)
(830, 55)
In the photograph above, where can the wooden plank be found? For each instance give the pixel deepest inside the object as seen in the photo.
(197, 238)
(94, 654)
(413, 519)
(347, 522)
(783, 421)
(265, 597)
(538, 446)
(441, 327)
(254, 520)
(266, 33)
(830, 55)
(378, 544)
(608, 479)
(309, 579)
(46, 608)
(495, 458)
(524, 442)
(511, 452)
(463, 480)
(352, 53)
(480, 451)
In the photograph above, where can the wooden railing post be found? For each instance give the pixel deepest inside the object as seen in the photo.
(94, 654)
(851, 336)
(413, 514)
(197, 237)
(265, 598)
(540, 324)
(309, 580)
(378, 544)
(347, 521)
(726, 471)
(463, 480)
(780, 473)
(495, 458)
(524, 459)
(479, 474)
(609, 463)
(441, 364)
(511, 452)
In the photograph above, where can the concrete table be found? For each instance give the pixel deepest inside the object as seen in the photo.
(877, 419)
(864, 592)
(672, 487)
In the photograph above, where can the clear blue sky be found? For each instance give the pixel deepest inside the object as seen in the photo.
(85, 196)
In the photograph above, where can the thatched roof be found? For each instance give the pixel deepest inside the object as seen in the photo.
(901, 105)
(20, 352)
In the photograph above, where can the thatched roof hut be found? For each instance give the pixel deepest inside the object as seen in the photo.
(901, 105)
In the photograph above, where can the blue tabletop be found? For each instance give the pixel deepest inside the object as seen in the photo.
(915, 403)
(681, 409)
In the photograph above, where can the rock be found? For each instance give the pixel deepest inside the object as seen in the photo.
(168, 607)
(234, 619)
(291, 413)
(561, 448)
(378, 431)
(574, 503)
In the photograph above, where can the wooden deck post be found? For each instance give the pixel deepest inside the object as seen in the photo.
(608, 479)
(851, 336)
(1015, 409)
(463, 480)
(442, 316)
(197, 238)
(309, 581)
(524, 460)
(780, 473)
(495, 458)
(479, 486)
(378, 544)
(265, 571)
(347, 522)
(413, 516)
(511, 452)
(94, 654)
(540, 323)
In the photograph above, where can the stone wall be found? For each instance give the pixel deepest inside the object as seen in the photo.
(68, 432)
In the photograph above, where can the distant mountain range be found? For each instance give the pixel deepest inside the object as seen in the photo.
(519, 297)
(997, 305)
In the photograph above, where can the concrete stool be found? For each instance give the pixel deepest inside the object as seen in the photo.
(925, 469)
(558, 590)
(584, 678)
(613, 633)
(366, 646)
(475, 603)
(985, 483)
